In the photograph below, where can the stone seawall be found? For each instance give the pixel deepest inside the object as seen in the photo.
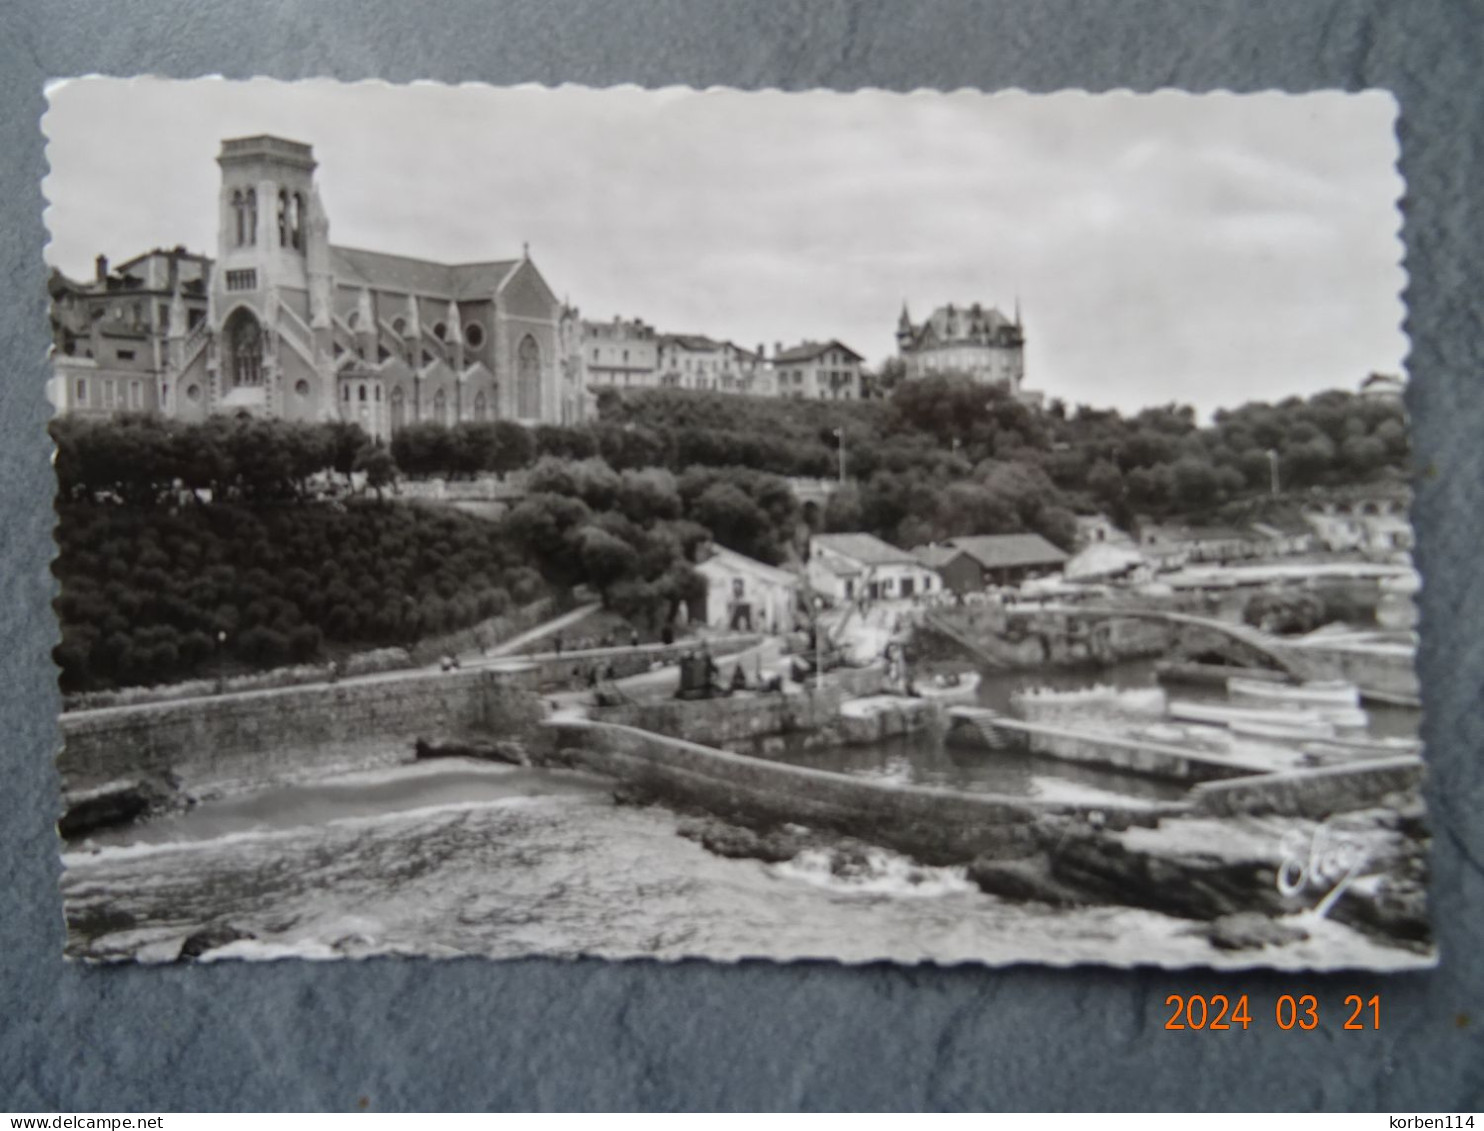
(724, 722)
(1312, 793)
(551, 670)
(935, 825)
(255, 739)
(1386, 668)
(982, 728)
(1027, 639)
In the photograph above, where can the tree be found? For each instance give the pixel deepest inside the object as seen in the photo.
(606, 559)
(377, 465)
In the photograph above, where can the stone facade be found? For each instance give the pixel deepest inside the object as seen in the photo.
(285, 325)
(974, 340)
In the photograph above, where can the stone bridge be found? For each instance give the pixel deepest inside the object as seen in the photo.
(1197, 635)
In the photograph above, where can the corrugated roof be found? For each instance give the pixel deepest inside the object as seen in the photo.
(865, 548)
(1004, 551)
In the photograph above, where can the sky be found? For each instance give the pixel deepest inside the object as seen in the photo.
(1203, 249)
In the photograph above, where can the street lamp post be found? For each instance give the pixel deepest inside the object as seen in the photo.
(1273, 469)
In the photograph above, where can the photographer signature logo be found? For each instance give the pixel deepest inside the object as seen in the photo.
(1324, 862)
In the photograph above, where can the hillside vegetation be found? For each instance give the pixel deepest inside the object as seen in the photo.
(152, 572)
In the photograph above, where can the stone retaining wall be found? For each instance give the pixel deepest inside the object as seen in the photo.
(247, 741)
(725, 722)
(935, 825)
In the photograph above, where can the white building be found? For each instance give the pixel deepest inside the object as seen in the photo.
(747, 595)
(849, 567)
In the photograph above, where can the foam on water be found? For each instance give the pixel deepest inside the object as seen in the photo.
(874, 872)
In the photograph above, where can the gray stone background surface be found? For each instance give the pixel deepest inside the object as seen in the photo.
(403, 1034)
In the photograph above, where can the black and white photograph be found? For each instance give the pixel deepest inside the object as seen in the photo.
(951, 527)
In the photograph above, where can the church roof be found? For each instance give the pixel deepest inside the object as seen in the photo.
(404, 274)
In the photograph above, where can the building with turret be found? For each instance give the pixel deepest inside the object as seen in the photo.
(283, 324)
(975, 340)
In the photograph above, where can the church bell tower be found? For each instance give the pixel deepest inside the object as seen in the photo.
(267, 216)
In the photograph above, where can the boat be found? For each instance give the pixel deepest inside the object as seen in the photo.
(1220, 714)
(1284, 731)
(1330, 693)
(1333, 750)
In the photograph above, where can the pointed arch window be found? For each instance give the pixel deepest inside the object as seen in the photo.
(252, 216)
(296, 221)
(239, 213)
(245, 348)
(528, 379)
(283, 218)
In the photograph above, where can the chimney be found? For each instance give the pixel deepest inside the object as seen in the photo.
(100, 267)
(777, 348)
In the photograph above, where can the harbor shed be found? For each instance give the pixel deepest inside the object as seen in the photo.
(745, 594)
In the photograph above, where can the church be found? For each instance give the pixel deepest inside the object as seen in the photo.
(283, 324)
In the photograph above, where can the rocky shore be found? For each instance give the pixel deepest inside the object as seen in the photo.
(1243, 882)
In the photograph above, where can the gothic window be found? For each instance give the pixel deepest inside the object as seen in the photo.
(244, 348)
(297, 221)
(440, 408)
(252, 216)
(239, 212)
(440, 331)
(399, 409)
(528, 379)
(283, 217)
(474, 335)
(301, 387)
(480, 407)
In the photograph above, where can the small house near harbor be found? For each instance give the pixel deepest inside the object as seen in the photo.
(852, 567)
(744, 594)
(977, 561)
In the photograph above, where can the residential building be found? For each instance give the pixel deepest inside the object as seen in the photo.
(959, 570)
(825, 371)
(744, 594)
(620, 354)
(297, 328)
(1095, 529)
(977, 341)
(851, 567)
(977, 561)
(694, 361)
(1374, 523)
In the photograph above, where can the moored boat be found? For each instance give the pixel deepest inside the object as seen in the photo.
(1221, 714)
(1284, 731)
(1332, 693)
